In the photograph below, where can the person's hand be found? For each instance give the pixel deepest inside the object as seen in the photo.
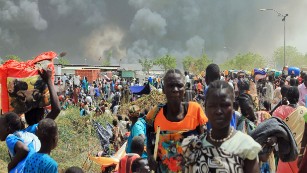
(271, 141)
(10, 166)
(152, 163)
(45, 74)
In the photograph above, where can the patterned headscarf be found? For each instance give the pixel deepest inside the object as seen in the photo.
(134, 111)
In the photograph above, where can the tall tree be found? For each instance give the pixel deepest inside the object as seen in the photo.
(201, 63)
(187, 63)
(62, 60)
(12, 57)
(293, 57)
(166, 62)
(106, 62)
(146, 64)
(246, 61)
(196, 65)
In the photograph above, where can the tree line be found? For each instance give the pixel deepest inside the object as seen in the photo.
(196, 65)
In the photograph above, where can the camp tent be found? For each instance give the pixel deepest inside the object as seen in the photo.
(139, 90)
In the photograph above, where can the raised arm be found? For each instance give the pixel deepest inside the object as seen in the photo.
(55, 104)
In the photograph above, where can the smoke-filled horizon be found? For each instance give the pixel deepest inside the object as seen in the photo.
(132, 29)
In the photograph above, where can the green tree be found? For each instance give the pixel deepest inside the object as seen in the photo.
(196, 65)
(293, 57)
(106, 62)
(63, 61)
(187, 63)
(246, 61)
(201, 63)
(12, 57)
(146, 64)
(166, 62)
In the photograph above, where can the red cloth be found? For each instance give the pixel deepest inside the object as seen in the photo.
(199, 87)
(76, 93)
(20, 70)
(283, 111)
(126, 162)
(300, 80)
(287, 167)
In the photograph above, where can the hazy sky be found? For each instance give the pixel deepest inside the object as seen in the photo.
(132, 29)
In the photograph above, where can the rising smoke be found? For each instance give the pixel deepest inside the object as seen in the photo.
(133, 29)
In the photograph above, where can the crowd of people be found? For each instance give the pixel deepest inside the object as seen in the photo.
(228, 123)
(222, 122)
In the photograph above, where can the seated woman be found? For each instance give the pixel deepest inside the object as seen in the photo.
(222, 149)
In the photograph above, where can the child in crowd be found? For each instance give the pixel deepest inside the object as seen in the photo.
(140, 165)
(122, 124)
(35, 115)
(137, 148)
(116, 135)
(74, 169)
(47, 133)
(21, 144)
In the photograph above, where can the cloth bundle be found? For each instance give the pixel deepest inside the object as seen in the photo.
(287, 147)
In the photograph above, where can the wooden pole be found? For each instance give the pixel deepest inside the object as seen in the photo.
(156, 144)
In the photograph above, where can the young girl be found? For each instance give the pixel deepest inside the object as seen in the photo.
(21, 144)
(222, 149)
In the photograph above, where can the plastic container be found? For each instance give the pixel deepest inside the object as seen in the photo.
(294, 70)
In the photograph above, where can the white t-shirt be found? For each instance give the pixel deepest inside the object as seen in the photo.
(88, 99)
(64, 79)
(115, 109)
(76, 80)
(187, 79)
(92, 90)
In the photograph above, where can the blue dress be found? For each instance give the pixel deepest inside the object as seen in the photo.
(29, 140)
(139, 128)
(40, 162)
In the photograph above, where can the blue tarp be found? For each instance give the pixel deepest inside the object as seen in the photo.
(136, 89)
(139, 90)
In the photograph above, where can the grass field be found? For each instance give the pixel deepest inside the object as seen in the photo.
(77, 139)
